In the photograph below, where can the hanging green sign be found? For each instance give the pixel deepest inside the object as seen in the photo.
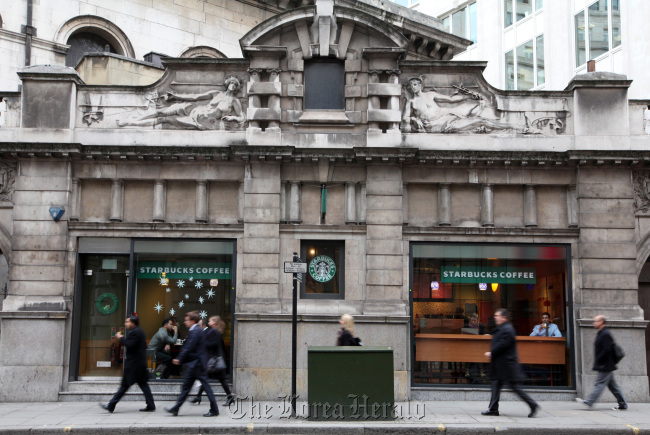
(478, 274)
(155, 269)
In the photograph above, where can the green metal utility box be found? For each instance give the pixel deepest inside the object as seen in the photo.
(350, 383)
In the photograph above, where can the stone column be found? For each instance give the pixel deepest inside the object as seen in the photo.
(530, 206)
(274, 100)
(350, 203)
(283, 201)
(362, 202)
(201, 201)
(75, 200)
(240, 202)
(444, 205)
(374, 102)
(159, 200)
(294, 202)
(572, 206)
(117, 201)
(405, 203)
(487, 206)
(254, 101)
(393, 102)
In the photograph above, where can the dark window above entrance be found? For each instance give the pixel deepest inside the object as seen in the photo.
(324, 85)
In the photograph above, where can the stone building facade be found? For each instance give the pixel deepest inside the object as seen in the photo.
(386, 170)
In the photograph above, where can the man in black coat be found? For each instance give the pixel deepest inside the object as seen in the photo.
(604, 364)
(504, 366)
(195, 358)
(135, 365)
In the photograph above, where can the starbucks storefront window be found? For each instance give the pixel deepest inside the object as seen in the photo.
(325, 269)
(457, 287)
(175, 277)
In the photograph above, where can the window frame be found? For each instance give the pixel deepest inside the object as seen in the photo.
(514, 12)
(610, 34)
(340, 269)
(533, 41)
(468, 29)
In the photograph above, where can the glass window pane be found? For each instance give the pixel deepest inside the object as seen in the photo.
(172, 284)
(510, 71)
(581, 56)
(524, 9)
(103, 302)
(446, 24)
(616, 23)
(325, 270)
(598, 29)
(540, 60)
(454, 298)
(525, 66)
(458, 23)
(507, 13)
(539, 4)
(324, 85)
(472, 22)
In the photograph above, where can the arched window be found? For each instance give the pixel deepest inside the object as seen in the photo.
(202, 51)
(89, 33)
(84, 42)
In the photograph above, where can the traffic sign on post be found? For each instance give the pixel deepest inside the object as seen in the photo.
(291, 267)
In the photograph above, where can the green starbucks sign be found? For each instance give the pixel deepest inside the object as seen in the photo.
(322, 268)
(478, 274)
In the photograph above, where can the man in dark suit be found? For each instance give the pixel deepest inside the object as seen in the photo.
(195, 358)
(604, 364)
(135, 365)
(504, 366)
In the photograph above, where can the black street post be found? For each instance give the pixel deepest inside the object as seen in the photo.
(294, 338)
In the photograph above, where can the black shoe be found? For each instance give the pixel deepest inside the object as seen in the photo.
(197, 399)
(211, 413)
(107, 407)
(172, 411)
(229, 400)
(488, 412)
(533, 411)
(620, 408)
(147, 409)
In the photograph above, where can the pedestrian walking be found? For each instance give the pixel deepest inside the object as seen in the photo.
(216, 348)
(135, 365)
(195, 359)
(346, 335)
(504, 365)
(604, 363)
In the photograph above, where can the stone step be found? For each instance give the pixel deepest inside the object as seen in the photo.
(102, 391)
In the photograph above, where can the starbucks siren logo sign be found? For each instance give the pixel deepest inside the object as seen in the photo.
(322, 268)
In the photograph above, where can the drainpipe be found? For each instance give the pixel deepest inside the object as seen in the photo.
(29, 32)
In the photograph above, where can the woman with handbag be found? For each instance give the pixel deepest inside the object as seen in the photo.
(346, 335)
(217, 368)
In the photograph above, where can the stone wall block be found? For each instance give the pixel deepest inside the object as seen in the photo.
(384, 188)
(598, 205)
(385, 262)
(609, 265)
(262, 246)
(385, 232)
(261, 215)
(604, 297)
(608, 235)
(40, 228)
(384, 217)
(261, 260)
(47, 198)
(383, 173)
(261, 230)
(607, 220)
(38, 257)
(384, 247)
(255, 185)
(610, 282)
(377, 202)
(38, 288)
(36, 273)
(606, 190)
(42, 183)
(607, 250)
(259, 275)
(258, 200)
(43, 168)
(39, 243)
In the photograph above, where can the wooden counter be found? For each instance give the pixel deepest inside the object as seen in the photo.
(470, 348)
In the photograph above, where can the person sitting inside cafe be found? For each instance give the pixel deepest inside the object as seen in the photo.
(475, 324)
(161, 343)
(546, 328)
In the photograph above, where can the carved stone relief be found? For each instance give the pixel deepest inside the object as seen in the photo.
(641, 185)
(461, 111)
(211, 110)
(7, 181)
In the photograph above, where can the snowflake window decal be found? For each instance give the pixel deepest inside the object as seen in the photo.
(201, 300)
(187, 296)
(180, 304)
(191, 278)
(198, 284)
(158, 307)
(172, 312)
(180, 283)
(203, 314)
(210, 293)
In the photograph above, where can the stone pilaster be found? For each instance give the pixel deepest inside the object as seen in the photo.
(487, 206)
(201, 201)
(444, 205)
(75, 200)
(608, 277)
(34, 313)
(350, 203)
(384, 247)
(294, 202)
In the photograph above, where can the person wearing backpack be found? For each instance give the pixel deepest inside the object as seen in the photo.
(606, 356)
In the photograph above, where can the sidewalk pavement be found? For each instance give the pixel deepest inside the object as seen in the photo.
(271, 417)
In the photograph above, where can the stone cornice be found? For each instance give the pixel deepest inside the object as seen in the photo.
(33, 315)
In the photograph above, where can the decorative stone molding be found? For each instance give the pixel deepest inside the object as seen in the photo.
(100, 26)
(641, 185)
